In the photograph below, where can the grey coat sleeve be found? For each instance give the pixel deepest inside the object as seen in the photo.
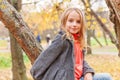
(46, 58)
(87, 68)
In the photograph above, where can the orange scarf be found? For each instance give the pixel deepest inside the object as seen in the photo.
(78, 58)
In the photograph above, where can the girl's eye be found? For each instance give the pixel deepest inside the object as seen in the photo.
(78, 21)
(70, 20)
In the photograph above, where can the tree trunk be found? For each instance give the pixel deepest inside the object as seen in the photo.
(18, 67)
(114, 7)
(93, 35)
(90, 33)
(20, 30)
(105, 38)
(89, 50)
(87, 12)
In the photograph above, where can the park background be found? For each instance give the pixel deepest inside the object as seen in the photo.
(42, 16)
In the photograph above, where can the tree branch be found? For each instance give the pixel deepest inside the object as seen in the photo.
(20, 30)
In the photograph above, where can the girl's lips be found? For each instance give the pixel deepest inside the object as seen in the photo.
(74, 28)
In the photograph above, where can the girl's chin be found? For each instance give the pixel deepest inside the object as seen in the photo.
(73, 32)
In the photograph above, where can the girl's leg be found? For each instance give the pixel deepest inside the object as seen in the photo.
(100, 76)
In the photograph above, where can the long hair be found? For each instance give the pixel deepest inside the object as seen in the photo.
(64, 18)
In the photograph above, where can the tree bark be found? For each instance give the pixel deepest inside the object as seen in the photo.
(18, 67)
(89, 50)
(114, 7)
(20, 30)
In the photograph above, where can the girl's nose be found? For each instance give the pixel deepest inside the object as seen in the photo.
(74, 24)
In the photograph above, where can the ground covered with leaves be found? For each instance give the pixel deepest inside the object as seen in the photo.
(105, 64)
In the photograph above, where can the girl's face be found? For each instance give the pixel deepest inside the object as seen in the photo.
(73, 23)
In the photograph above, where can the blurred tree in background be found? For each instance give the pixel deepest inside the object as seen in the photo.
(91, 27)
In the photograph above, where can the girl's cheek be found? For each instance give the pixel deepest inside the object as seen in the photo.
(67, 28)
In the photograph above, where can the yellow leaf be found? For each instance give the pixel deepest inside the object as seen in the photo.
(88, 23)
(104, 20)
(88, 10)
(2, 6)
(88, 17)
(94, 22)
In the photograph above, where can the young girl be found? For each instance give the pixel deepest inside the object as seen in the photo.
(64, 58)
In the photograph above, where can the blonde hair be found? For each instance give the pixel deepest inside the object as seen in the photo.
(64, 18)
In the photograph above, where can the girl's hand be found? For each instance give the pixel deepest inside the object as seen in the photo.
(88, 76)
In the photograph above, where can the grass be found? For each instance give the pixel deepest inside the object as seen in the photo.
(6, 62)
(101, 40)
